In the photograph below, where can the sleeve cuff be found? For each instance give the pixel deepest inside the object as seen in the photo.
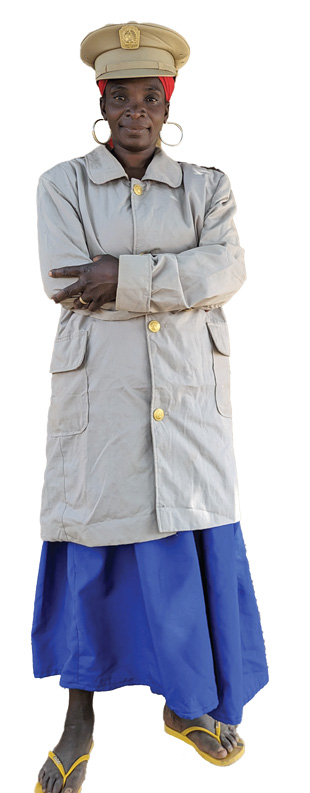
(134, 283)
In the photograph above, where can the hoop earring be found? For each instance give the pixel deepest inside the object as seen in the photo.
(181, 138)
(102, 142)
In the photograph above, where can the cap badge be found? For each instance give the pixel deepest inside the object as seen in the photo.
(129, 37)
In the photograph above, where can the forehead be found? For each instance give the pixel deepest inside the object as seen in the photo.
(132, 83)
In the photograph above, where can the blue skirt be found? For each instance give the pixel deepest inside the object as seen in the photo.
(178, 615)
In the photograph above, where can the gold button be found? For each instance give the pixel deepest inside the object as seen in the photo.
(154, 326)
(137, 189)
(158, 414)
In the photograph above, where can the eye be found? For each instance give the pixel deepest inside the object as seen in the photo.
(119, 96)
(151, 98)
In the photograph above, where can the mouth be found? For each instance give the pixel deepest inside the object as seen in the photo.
(134, 129)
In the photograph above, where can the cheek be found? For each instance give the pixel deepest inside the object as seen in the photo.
(158, 116)
(111, 112)
(112, 119)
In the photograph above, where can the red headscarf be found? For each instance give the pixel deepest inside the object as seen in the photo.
(168, 83)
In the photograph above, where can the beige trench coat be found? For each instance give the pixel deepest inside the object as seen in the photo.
(139, 442)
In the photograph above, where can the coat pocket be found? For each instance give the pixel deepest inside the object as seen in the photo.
(221, 366)
(68, 412)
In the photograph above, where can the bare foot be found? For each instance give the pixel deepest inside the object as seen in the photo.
(75, 741)
(204, 741)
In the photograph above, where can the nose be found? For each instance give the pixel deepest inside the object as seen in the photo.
(135, 109)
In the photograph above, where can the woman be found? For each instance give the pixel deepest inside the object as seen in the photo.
(143, 252)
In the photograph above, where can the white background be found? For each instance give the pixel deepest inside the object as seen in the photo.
(242, 101)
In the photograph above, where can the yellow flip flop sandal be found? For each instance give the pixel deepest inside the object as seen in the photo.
(230, 758)
(53, 756)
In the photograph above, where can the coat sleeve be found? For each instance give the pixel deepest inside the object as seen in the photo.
(61, 235)
(203, 277)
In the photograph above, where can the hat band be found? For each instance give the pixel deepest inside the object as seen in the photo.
(117, 61)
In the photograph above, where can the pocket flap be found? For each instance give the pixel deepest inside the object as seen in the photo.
(69, 352)
(220, 335)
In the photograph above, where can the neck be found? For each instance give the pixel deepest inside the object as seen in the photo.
(134, 162)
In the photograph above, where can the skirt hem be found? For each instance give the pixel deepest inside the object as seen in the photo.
(211, 710)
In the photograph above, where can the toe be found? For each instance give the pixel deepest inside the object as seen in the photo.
(221, 753)
(208, 744)
(232, 738)
(57, 786)
(212, 747)
(226, 742)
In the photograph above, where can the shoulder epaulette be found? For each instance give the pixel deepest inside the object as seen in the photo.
(211, 168)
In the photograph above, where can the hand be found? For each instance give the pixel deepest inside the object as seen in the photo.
(97, 283)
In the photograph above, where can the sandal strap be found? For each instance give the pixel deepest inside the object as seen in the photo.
(58, 763)
(215, 735)
(75, 764)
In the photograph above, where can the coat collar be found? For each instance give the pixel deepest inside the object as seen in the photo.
(103, 167)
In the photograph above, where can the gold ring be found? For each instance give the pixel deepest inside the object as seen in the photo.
(83, 301)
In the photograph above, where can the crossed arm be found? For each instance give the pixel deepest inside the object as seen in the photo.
(203, 277)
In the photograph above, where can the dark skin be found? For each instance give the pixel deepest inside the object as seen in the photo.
(136, 109)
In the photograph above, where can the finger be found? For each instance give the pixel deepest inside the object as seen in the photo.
(95, 259)
(91, 306)
(78, 303)
(70, 291)
(69, 272)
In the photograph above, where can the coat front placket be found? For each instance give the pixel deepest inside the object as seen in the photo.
(153, 324)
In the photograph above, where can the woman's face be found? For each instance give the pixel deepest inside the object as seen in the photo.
(135, 109)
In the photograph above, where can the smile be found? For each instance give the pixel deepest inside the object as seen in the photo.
(134, 129)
